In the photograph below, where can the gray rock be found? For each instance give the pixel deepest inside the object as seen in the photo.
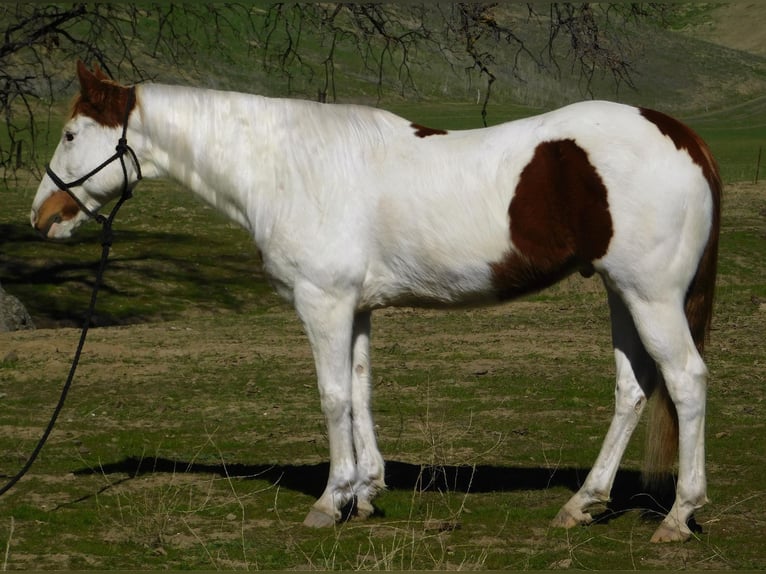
(13, 315)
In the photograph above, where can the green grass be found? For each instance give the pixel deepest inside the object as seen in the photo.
(193, 439)
(736, 135)
(154, 244)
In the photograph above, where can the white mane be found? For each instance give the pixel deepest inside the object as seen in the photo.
(239, 142)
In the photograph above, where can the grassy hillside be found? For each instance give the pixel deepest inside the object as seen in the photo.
(694, 62)
(736, 25)
(705, 59)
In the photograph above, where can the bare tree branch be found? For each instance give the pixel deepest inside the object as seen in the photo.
(38, 44)
(304, 44)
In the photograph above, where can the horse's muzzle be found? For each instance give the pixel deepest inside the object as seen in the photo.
(58, 208)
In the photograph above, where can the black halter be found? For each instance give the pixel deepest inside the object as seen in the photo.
(122, 149)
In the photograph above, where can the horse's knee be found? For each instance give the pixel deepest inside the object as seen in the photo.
(688, 390)
(335, 405)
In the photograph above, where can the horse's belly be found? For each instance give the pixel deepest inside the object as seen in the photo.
(417, 285)
(437, 254)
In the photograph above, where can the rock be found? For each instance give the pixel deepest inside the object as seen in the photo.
(13, 315)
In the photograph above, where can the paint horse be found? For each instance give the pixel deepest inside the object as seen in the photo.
(354, 208)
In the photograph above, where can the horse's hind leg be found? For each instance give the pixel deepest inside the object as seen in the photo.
(664, 329)
(636, 375)
(369, 463)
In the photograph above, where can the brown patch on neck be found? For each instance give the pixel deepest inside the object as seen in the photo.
(559, 220)
(424, 132)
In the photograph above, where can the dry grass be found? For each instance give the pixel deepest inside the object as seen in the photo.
(198, 442)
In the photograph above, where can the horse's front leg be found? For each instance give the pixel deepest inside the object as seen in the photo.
(328, 321)
(370, 479)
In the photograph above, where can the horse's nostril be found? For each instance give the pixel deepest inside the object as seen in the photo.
(45, 227)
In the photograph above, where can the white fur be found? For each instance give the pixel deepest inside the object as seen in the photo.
(352, 211)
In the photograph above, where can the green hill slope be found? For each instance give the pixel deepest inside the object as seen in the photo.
(706, 57)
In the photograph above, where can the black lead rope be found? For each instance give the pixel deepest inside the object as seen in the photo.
(106, 244)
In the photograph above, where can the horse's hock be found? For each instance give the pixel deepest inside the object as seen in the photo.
(13, 314)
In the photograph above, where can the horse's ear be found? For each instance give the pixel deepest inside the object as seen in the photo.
(100, 98)
(91, 83)
(98, 72)
(88, 80)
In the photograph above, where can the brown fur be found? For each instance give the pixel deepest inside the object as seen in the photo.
(100, 98)
(58, 205)
(560, 220)
(424, 132)
(662, 432)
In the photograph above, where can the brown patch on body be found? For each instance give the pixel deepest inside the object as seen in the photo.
(58, 207)
(687, 139)
(424, 132)
(559, 218)
(100, 98)
(699, 299)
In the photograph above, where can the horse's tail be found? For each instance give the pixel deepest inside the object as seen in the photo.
(662, 431)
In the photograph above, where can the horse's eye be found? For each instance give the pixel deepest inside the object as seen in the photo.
(69, 136)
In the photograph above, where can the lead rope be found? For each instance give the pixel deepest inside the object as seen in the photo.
(106, 244)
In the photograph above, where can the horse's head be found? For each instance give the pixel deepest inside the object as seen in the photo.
(88, 139)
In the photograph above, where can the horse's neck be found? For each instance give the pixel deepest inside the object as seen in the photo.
(253, 157)
(214, 143)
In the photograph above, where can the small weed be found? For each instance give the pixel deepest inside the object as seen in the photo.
(9, 361)
(8, 544)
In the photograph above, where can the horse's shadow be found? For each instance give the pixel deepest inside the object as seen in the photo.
(628, 492)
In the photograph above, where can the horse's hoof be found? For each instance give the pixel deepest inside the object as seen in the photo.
(318, 519)
(363, 509)
(668, 533)
(567, 519)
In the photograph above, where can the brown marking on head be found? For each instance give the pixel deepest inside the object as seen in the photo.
(100, 98)
(559, 220)
(424, 132)
(58, 207)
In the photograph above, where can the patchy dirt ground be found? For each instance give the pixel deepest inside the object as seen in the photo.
(198, 442)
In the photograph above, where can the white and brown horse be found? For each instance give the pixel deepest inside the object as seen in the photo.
(354, 208)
